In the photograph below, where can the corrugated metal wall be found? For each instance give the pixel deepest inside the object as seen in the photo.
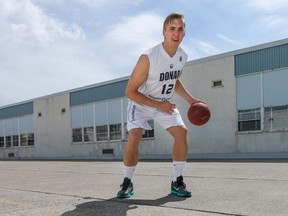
(99, 93)
(18, 110)
(261, 60)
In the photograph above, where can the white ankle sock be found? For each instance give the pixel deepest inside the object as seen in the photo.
(178, 167)
(129, 171)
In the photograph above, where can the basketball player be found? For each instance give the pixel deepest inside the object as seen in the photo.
(152, 84)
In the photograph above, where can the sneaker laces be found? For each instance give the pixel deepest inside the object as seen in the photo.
(180, 182)
(125, 185)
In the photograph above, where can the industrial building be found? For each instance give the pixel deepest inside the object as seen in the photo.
(245, 89)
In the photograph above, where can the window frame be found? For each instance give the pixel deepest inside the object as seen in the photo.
(247, 122)
(105, 130)
(276, 115)
(17, 132)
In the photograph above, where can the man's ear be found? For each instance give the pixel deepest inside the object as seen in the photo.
(163, 32)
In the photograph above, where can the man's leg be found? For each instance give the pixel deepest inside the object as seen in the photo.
(180, 146)
(131, 148)
(130, 161)
(179, 154)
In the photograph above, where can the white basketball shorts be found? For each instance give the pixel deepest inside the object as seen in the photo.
(138, 116)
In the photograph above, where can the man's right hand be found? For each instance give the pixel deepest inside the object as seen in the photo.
(167, 107)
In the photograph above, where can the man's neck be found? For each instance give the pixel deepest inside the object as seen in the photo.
(169, 50)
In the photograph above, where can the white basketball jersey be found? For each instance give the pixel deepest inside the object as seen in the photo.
(163, 73)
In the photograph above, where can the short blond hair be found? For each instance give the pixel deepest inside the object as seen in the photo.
(171, 17)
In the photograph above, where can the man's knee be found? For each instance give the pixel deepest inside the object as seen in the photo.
(178, 131)
(183, 130)
(135, 135)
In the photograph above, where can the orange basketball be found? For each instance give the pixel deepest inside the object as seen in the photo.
(199, 113)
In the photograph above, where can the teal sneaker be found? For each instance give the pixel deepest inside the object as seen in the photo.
(126, 190)
(179, 188)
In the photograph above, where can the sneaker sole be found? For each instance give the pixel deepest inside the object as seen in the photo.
(180, 195)
(127, 196)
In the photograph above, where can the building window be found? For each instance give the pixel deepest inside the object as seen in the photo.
(17, 131)
(125, 131)
(102, 133)
(89, 134)
(249, 120)
(102, 121)
(115, 132)
(15, 140)
(27, 139)
(23, 140)
(77, 135)
(30, 137)
(149, 133)
(115, 119)
(1, 142)
(26, 130)
(8, 141)
(276, 118)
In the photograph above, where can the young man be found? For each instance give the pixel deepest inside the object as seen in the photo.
(150, 89)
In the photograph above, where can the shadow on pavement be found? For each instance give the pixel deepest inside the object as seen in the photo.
(119, 207)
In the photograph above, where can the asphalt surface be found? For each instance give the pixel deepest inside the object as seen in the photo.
(68, 188)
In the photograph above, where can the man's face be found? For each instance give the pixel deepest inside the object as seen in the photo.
(174, 32)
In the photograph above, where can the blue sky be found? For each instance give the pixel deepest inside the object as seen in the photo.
(49, 46)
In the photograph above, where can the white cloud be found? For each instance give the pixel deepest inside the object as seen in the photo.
(198, 49)
(143, 30)
(229, 40)
(273, 21)
(49, 46)
(126, 40)
(103, 3)
(41, 55)
(268, 5)
(207, 48)
(270, 19)
(24, 22)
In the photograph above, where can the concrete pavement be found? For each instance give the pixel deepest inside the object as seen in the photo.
(69, 188)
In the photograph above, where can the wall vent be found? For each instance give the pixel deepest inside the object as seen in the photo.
(11, 155)
(108, 151)
(217, 83)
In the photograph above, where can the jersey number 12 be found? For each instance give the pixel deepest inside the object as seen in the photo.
(167, 89)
